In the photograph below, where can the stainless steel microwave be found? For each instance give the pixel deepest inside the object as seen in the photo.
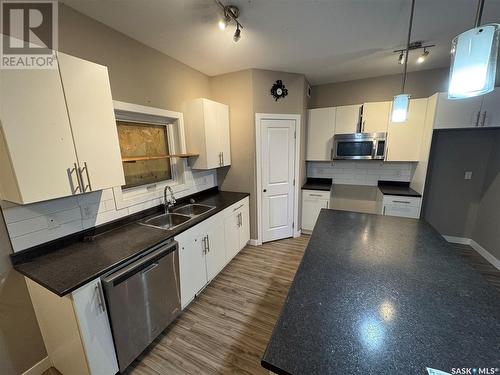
(359, 146)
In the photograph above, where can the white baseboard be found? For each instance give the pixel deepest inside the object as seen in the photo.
(39, 368)
(485, 254)
(481, 250)
(254, 242)
(459, 240)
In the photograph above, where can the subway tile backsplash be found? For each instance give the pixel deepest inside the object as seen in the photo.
(361, 172)
(34, 224)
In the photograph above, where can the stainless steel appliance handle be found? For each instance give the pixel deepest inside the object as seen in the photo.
(150, 268)
(141, 264)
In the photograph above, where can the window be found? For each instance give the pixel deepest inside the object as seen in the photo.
(144, 148)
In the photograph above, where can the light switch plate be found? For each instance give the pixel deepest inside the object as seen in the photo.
(468, 175)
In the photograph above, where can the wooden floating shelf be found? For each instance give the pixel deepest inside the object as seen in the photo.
(144, 158)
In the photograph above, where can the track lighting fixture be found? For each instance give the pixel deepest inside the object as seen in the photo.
(231, 14)
(418, 45)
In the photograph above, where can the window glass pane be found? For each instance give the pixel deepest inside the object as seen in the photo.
(148, 143)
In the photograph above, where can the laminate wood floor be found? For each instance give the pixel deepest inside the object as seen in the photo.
(226, 329)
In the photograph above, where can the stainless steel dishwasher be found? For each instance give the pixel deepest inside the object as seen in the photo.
(143, 298)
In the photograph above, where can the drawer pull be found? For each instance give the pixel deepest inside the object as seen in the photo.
(405, 202)
(237, 208)
(315, 195)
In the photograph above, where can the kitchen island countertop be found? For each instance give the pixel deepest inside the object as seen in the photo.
(383, 295)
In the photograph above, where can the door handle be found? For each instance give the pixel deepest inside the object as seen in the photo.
(100, 297)
(75, 169)
(484, 119)
(86, 169)
(477, 118)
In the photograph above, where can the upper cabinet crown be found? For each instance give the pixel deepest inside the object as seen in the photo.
(58, 133)
(477, 112)
(207, 133)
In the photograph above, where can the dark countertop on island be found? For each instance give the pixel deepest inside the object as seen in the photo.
(64, 268)
(397, 188)
(383, 295)
(323, 184)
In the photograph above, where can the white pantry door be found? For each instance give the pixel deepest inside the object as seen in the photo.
(278, 174)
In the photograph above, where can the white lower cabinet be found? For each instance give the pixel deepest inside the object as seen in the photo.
(401, 206)
(205, 249)
(312, 203)
(75, 329)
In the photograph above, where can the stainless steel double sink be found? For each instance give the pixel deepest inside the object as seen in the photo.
(178, 216)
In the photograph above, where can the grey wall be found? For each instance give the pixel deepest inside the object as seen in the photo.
(487, 229)
(21, 344)
(459, 207)
(420, 84)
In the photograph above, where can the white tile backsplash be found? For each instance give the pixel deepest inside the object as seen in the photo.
(37, 223)
(361, 172)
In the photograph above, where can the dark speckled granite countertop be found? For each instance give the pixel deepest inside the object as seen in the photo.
(383, 295)
(323, 184)
(67, 268)
(397, 188)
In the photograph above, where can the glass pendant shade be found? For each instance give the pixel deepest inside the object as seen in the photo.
(400, 108)
(474, 62)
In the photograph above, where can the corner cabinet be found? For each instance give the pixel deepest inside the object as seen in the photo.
(207, 133)
(75, 329)
(205, 249)
(58, 133)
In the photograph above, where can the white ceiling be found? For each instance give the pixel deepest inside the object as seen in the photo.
(327, 40)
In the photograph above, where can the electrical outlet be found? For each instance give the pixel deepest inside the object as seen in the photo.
(52, 222)
(468, 175)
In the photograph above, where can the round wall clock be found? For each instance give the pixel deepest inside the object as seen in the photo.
(278, 90)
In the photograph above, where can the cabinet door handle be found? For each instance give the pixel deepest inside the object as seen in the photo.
(208, 243)
(363, 127)
(484, 119)
(75, 170)
(477, 118)
(100, 297)
(327, 204)
(86, 169)
(222, 158)
(383, 211)
(239, 220)
(204, 245)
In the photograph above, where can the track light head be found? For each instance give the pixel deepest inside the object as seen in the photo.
(237, 34)
(423, 57)
(401, 58)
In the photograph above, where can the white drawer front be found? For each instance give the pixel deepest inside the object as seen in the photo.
(318, 194)
(409, 211)
(402, 201)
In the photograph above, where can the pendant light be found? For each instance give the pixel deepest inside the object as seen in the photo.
(474, 56)
(402, 101)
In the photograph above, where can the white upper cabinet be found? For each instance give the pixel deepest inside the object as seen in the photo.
(207, 133)
(37, 155)
(320, 130)
(404, 139)
(490, 109)
(90, 108)
(54, 122)
(347, 119)
(458, 113)
(375, 117)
